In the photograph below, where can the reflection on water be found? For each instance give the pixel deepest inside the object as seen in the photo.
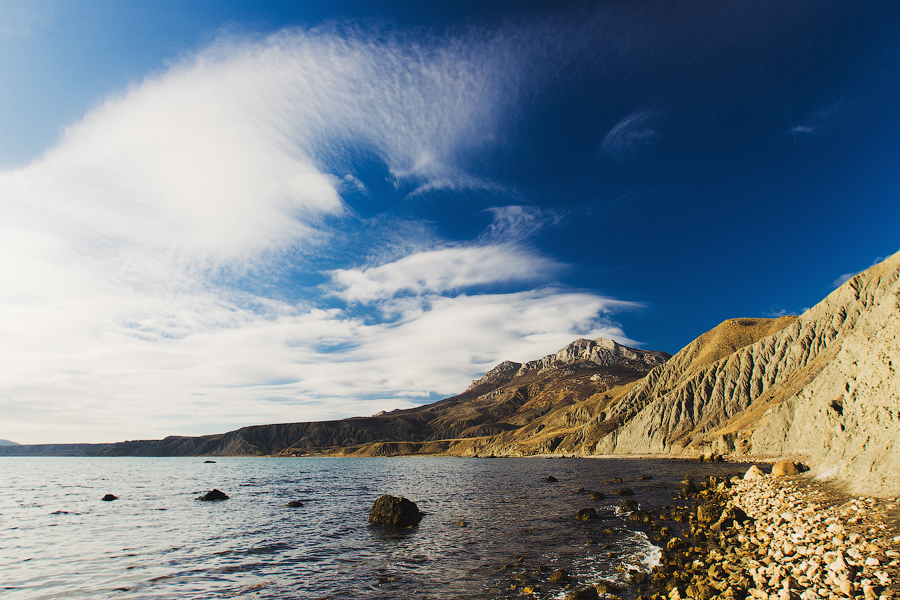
(57, 539)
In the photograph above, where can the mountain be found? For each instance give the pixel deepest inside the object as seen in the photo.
(566, 386)
(823, 387)
(8, 443)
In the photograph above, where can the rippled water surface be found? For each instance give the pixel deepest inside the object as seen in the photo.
(59, 540)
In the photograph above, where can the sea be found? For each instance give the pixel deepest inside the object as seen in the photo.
(492, 526)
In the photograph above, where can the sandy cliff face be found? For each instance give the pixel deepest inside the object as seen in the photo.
(823, 386)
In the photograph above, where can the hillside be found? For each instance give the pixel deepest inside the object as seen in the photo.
(822, 387)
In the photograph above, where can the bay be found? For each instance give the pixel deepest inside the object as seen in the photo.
(58, 539)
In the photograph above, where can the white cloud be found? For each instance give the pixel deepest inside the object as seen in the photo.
(122, 247)
(442, 270)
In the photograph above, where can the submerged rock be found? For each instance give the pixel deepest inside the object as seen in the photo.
(209, 462)
(639, 516)
(559, 576)
(597, 496)
(551, 479)
(294, 504)
(628, 505)
(687, 485)
(623, 492)
(613, 481)
(213, 496)
(587, 514)
(109, 498)
(588, 593)
(395, 511)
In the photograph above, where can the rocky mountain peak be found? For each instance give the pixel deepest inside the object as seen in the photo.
(601, 352)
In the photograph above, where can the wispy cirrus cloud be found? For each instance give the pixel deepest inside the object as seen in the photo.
(515, 222)
(630, 136)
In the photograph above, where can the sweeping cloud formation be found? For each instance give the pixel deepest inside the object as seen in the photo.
(127, 247)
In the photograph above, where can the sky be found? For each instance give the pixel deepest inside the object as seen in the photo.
(217, 214)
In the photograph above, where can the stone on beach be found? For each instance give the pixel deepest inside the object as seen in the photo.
(395, 511)
(754, 472)
(786, 468)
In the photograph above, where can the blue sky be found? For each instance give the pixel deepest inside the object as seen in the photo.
(217, 214)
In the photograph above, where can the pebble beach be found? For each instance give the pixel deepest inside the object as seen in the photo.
(780, 538)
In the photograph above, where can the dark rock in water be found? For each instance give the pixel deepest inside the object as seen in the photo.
(613, 481)
(588, 593)
(398, 512)
(460, 524)
(687, 486)
(109, 498)
(580, 490)
(294, 504)
(559, 576)
(624, 492)
(209, 462)
(639, 516)
(587, 514)
(597, 496)
(551, 479)
(645, 477)
(213, 495)
(637, 577)
(628, 505)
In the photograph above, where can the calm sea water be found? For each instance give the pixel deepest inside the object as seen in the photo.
(59, 540)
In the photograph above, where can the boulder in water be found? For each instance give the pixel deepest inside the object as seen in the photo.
(559, 576)
(294, 504)
(624, 492)
(109, 498)
(587, 514)
(395, 511)
(628, 505)
(639, 516)
(613, 481)
(551, 479)
(588, 593)
(597, 496)
(213, 496)
(687, 485)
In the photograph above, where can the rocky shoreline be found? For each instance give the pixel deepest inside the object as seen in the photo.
(773, 538)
